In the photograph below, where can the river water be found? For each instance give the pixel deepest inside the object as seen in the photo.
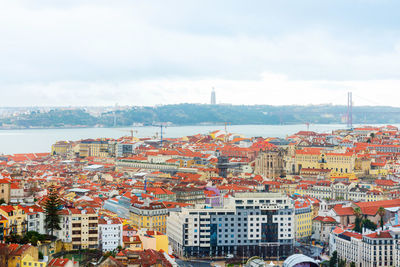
(40, 140)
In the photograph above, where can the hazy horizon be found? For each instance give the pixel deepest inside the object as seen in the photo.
(158, 105)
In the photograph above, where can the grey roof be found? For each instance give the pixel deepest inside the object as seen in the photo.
(298, 258)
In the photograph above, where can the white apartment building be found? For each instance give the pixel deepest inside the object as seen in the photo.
(349, 247)
(372, 249)
(35, 219)
(248, 224)
(377, 249)
(110, 233)
(65, 233)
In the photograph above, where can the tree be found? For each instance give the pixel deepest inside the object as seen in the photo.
(381, 212)
(352, 264)
(33, 237)
(334, 259)
(369, 224)
(51, 208)
(13, 238)
(358, 221)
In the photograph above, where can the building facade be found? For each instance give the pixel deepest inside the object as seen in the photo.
(149, 215)
(110, 233)
(270, 163)
(248, 224)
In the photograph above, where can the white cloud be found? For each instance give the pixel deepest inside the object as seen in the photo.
(141, 53)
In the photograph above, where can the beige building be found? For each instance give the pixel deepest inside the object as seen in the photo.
(94, 148)
(84, 228)
(270, 163)
(5, 190)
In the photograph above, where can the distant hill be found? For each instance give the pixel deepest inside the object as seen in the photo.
(193, 114)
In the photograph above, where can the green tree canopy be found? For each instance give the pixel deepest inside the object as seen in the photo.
(51, 207)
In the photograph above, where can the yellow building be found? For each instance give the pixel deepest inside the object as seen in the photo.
(375, 195)
(22, 253)
(154, 240)
(186, 162)
(84, 228)
(16, 216)
(303, 213)
(28, 261)
(3, 227)
(149, 215)
(317, 158)
(62, 148)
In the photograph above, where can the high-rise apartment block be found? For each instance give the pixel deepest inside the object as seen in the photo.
(247, 224)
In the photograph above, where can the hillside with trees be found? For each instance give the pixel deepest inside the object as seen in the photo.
(195, 114)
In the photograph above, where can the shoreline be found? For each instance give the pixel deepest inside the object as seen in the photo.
(174, 125)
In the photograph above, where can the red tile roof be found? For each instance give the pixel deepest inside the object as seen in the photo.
(58, 262)
(325, 219)
(353, 234)
(371, 208)
(384, 234)
(341, 211)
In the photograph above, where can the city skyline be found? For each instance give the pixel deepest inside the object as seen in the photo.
(94, 53)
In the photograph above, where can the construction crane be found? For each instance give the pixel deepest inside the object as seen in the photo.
(131, 131)
(161, 132)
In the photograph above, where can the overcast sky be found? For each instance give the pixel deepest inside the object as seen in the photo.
(82, 52)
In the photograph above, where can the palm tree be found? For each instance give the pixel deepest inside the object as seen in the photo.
(381, 212)
(357, 212)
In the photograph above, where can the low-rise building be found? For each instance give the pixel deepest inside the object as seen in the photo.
(154, 240)
(189, 195)
(16, 216)
(150, 215)
(321, 228)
